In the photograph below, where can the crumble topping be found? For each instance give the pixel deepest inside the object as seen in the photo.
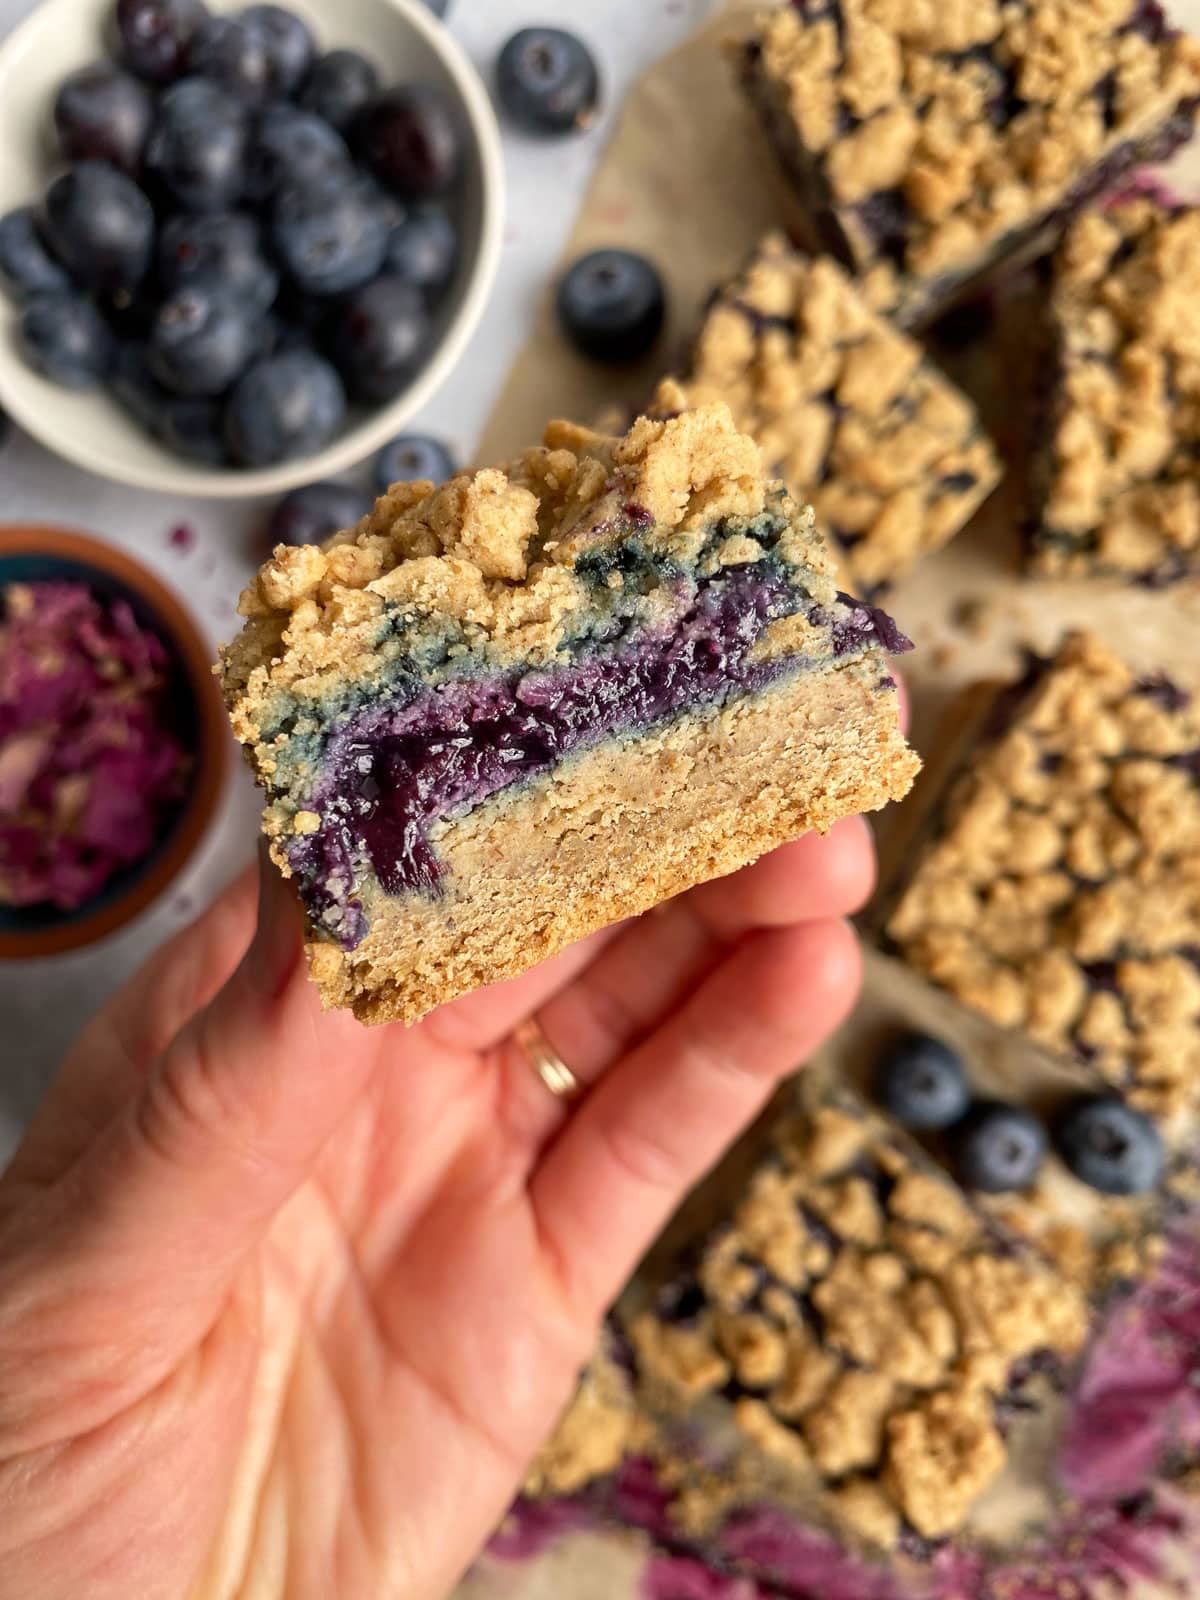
(939, 127)
(495, 551)
(845, 407)
(1060, 889)
(1119, 491)
(875, 1369)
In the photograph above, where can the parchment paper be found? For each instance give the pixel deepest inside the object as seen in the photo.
(688, 180)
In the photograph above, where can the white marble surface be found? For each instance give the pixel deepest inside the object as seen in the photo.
(43, 1004)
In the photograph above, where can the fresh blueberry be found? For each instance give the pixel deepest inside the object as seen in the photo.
(330, 236)
(288, 43)
(423, 250)
(192, 427)
(234, 55)
(155, 35)
(222, 245)
(998, 1148)
(922, 1083)
(103, 114)
(135, 388)
(198, 145)
(412, 457)
(339, 86)
(285, 406)
(409, 137)
(380, 338)
(290, 146)
(100, 226)
(611, 305)
(1109, 1145)
(202, 339)
(26, 266)
(547, 81)
(315, 513)
(65, 338)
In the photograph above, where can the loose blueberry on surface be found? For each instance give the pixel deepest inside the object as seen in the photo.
(64, 337)
(225, 245)
(1110, 1146)
(192, 427)
(998, 1148)
(339, 86)
(331, 236)
(308, 515)
(100, 226)
(409, 137)
(611, 305)
(155, 35)
(283, 407)
(103, 114)
(423, 250)
(198, 145)
(380, 338)
(922, 1083)
(202, 339)
(547, 81)
(412, 457)
(293, 146)
(231, 53)
(26, 265)
(288, 42)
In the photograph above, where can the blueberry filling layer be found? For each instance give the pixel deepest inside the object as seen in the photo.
(393, 770)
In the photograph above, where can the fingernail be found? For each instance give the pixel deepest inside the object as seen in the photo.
(275, 951)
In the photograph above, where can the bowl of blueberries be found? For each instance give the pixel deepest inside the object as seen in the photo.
(238, 248)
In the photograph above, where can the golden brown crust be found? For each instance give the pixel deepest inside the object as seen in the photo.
(977, 116)
(875, 1373)
(845, 408)
(1059, 892)
(1120, 490)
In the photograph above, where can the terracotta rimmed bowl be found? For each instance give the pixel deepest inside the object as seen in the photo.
(29, 554)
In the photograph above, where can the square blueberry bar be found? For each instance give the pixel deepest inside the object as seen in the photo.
(930, 142)
(508, 711)
(847, 410)
(882, 1352)
(1117, 487)
(1053, 883)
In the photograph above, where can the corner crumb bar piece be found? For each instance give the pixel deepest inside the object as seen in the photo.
(503, 713)
(878, 1339)
(1057, 887)
(930, 142)
(1118, 488)
(847, 410)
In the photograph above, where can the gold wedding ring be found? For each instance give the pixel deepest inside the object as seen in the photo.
(546, 1062)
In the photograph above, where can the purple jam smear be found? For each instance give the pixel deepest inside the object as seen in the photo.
(392, 772)
(90, 769)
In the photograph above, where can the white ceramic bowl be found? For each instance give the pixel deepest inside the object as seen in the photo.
(407, 44)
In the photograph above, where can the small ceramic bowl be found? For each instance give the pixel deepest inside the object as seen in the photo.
(407, 44)
(33, 554)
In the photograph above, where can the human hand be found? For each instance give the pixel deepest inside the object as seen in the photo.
(288, 1304)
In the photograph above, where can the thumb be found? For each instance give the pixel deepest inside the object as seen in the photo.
(156, 1219)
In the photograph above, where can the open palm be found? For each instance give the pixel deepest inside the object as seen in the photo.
(288, 1304)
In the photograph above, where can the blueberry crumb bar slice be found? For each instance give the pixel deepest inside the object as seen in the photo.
(930, 142)
(503, 713)
(847, 410)
(1053, 883)
(885, 1352)
(1118, 482)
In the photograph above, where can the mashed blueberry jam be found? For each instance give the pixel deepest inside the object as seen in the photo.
(90, 769)
(391, 771)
